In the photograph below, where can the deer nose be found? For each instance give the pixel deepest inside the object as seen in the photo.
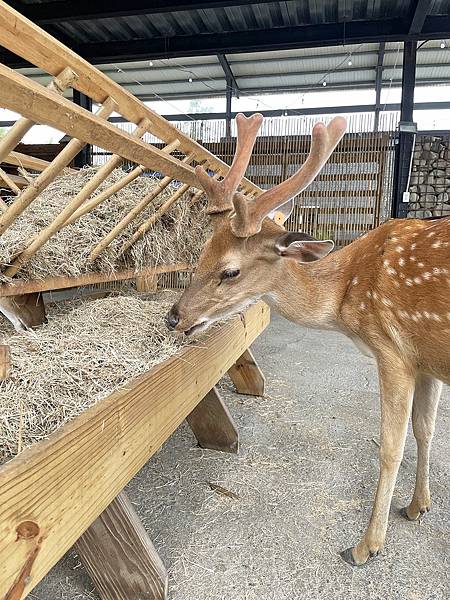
(172, 318)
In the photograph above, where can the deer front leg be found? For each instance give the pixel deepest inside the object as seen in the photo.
(425, 403)
(396, 393)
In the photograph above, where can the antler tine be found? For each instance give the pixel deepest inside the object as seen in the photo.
(220, 193)
(250, 213)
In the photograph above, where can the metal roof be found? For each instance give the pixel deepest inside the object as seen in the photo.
(115, 30)
(274, 72)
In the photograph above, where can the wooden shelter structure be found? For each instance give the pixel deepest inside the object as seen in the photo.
(67, 489)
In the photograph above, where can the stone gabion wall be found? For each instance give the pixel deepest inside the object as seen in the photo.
(430, 178)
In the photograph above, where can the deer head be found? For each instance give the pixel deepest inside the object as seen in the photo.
(245, 257)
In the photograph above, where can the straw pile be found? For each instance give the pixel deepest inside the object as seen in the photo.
(177, 237)
(87, 350)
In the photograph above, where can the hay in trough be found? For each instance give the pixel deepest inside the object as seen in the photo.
(176, 237)
(87, 350)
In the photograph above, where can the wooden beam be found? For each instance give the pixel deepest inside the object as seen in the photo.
(5, 362)
(27, 40)
(63, 79)
(247, 376)
(120, 557)
(61, 282)
(35, 102)
(419, 14)
(58, 487)
(58, 164)
(213, 425)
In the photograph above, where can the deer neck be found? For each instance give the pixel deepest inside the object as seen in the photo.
(311, 294)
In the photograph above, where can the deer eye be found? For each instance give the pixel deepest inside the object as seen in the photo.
(229, 274)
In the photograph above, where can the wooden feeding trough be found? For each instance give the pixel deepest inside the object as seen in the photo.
(67, 489)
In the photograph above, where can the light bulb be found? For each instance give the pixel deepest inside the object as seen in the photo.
(190, 79)
(151, 63)
(324, 84)
(350, 63)
(442, 44)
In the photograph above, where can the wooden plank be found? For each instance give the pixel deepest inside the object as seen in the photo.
(29, 162)
(247, 376)
(35, 102)
(58, 487)
(213, 425)
(32, 43)
(60, 282)
(5, 362)
(120, 557)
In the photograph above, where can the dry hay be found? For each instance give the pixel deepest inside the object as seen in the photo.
(176, 237)
(87, 350)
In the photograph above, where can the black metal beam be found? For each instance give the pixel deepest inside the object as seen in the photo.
(67, 10)
(259, 40)
(406, 133)
(378, 84)
(84, 157)
(419, 15)
(229, 75)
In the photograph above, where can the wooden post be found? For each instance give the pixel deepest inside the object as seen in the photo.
(5, 362)
(247, 376)
(120, 557)
(212, 424)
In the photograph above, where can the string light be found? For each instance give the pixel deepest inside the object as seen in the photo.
(150, 64)
(350, 62)
(442, 44)
(324, 83)
(190, 79)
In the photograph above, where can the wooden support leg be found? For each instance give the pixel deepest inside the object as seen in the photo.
(212, 424)
(5, 362)
(119, 556)
(247, 376)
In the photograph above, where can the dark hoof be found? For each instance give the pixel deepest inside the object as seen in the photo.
(404, 514)
(348, 557)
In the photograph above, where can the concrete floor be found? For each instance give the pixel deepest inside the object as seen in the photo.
(305, 477)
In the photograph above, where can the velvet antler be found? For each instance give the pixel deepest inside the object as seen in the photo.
(251, 213)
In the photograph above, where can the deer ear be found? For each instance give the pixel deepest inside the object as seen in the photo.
(281, 214)
(302, 247)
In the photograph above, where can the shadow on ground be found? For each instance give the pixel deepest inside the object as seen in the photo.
(305, 477)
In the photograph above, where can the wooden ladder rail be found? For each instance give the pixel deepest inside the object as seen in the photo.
(48, 175)
(134, 212)
(116, 187)
(21, 127)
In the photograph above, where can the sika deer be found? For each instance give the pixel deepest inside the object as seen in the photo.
(389, 291)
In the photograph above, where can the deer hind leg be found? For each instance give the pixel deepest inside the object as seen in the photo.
(425, 403)
(396, 390)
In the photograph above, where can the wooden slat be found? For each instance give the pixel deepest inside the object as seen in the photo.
(59, 283)
(27, 40)
(213, 425)
(133, 213)
(165, 207)
(120, 557)
(57, 488)
(34, 244)
(36, 102)
(46, 177)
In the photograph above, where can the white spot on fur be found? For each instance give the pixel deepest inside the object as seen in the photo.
(412, 258)
(355, 281)
(401, 261)
(417, 280)
(420, 264)
(431, 234)
(436, 317)
(387, 302)
(399, 249)
(436, 244)
(391, 271)
(408, 281)
(426, 275)
(413, 246)
(362, 306)
(369, 294)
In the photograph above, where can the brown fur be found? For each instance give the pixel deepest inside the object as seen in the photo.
(389, 291)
